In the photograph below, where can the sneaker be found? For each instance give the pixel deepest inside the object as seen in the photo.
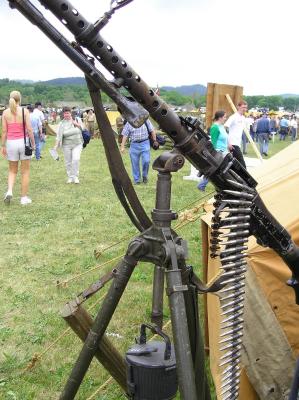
(76, 180)
(7, 198)
(70, 180)
(145, 180)
(137, 183)
(25, 200)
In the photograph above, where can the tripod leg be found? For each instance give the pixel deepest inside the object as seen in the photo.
(183, 355)
(195, 334)
(119, 283)
(157, 303)
(81, 321)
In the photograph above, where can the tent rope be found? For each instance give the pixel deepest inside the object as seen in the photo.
(185, 217)
(37, 356)
(64, 283)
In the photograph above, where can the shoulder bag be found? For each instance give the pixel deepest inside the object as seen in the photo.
(154, 144)
(28, 148)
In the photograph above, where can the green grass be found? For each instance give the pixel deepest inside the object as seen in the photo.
(54, 239)
(273, 147)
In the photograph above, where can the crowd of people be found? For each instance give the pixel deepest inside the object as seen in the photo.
(228, 135)
(265, 126)
(25, 126)
(24, 135)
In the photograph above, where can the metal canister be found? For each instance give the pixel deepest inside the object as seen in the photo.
(151, 368)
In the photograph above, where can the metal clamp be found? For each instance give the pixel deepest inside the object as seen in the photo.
(176, 288)
(96, 286)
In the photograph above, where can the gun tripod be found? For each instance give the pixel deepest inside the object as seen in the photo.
(161, 246)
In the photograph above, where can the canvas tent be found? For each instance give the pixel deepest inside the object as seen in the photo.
(271, 328)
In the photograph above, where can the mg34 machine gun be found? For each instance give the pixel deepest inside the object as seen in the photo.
(239, 212)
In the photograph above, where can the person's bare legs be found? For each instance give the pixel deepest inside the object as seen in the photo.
(12, 173)
(25, 172)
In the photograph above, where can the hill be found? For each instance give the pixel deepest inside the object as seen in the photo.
(25, 81)
(73, 89)
(285, 95)
(187, 90)
(56, 92)
(76, 80)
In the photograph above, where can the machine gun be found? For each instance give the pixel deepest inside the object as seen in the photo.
(238, 207)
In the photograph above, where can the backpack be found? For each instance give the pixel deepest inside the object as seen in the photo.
(86, 137)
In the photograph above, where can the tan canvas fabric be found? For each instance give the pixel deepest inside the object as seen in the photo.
(267, 355)
(278, 185)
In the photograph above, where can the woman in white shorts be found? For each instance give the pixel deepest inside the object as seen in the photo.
(13, 146)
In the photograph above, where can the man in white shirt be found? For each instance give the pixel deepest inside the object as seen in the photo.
(294, 126)
(236, 124)
(38, 111)
(37, 130)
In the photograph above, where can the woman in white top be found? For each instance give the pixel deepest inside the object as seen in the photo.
(69, 137)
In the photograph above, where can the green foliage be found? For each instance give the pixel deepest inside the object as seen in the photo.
(47, 94)
(51, 94)
(177, 99)
(290, 103)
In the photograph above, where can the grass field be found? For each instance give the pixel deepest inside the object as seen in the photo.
(54, 239)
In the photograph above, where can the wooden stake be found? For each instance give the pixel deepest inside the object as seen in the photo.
(81, 321)
(258, 154)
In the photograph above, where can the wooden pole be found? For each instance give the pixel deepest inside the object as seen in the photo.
(80, 321)
(258, 154)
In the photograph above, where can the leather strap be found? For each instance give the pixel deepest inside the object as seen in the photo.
(24, 128)
(120, 178)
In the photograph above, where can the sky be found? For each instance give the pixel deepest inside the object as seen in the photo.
(251, 44)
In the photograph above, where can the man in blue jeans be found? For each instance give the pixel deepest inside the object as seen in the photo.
(139, 148)
(283, 128)
(37, 130)
(263, 132)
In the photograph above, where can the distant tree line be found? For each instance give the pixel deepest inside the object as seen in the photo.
(53, 94)
(177, 99)
(290, 103)
(47, 94)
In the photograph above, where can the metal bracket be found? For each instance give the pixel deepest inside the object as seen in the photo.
(95, 287)
(176, 288)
